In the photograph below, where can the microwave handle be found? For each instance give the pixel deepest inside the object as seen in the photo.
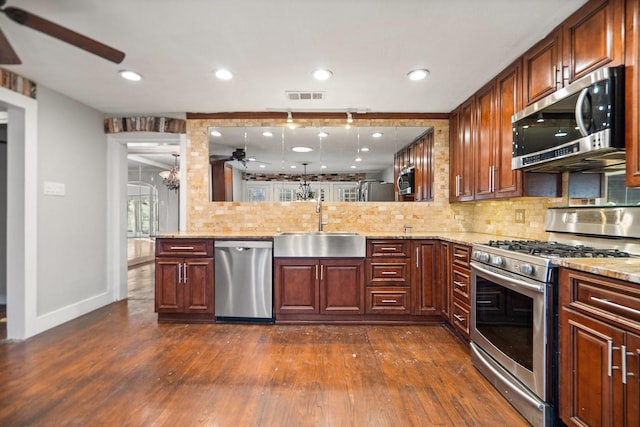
(579, 119)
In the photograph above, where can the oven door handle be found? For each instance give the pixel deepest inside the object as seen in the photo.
(511, 280)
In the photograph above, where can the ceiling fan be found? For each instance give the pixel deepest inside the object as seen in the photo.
(9, 57)
(239, 155)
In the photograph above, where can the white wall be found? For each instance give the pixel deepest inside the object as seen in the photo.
(72, 237)
(3, 214)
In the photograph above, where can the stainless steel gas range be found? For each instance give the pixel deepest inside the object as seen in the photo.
(514, 301)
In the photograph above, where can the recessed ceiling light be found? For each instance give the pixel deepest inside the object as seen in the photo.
(216, 133)
(322, 74)
(418, 74)
(323, 134)
(364, 149)
(267, 133)
(252, 159)
(224, 74)
(353, 167)
(293, 166)
(323, 167)
(376, 134)
(130, 75)
(262, 166)
(301, 149)
(358, 159)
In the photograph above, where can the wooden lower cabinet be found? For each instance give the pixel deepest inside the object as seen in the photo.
(318, 288)
(184, 288)
(599, 332)
(424, 278)
(444, 271)
(460, 288)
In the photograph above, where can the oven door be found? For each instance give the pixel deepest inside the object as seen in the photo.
(509, 321)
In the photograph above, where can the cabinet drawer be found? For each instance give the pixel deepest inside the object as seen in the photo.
(388, 273)
(460, 283)
(184, 247)
(460, 317)
(460, 255)
(606, 298)
(388, 301)
(387, 248)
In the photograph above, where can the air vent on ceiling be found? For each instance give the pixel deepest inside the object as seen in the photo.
(304, 95)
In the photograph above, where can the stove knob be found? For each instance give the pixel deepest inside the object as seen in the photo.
(526, 269)
(496, 260)
(481, 256)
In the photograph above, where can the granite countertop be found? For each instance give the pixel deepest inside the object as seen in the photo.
(627, 269)
(463, 238)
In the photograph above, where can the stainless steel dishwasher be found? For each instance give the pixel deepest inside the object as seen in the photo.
(244, 280)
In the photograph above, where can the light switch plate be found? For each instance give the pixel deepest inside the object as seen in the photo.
(519, 216)
(54, 188)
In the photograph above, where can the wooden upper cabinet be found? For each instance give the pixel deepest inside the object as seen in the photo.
(589, 39)
(484, 144)
(632, 93)
(541, 67)
(461, 153)
(507, 182)
(592, 38)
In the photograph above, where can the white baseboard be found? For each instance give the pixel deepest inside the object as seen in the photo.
(70, 312)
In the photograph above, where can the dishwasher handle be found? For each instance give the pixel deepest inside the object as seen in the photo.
(243, 245)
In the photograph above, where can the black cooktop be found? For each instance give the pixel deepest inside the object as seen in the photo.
(556, 250)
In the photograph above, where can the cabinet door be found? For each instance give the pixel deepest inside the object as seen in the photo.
(198, 285)
(632, 93)
(169, 289)
(425, 284)
(632, 390)
(461, 157)
(342, 286)
(589, 372)
(592, 38)
(541, 68)
(484, 141)
(444, 279)
(507, 182)
(296, 286)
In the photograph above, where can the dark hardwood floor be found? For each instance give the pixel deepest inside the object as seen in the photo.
(117, 366)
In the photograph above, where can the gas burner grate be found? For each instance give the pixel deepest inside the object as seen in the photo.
(555, 249)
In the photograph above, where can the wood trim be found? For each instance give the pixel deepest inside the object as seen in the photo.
(310, 115)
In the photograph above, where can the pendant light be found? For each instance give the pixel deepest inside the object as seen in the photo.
(171, 178)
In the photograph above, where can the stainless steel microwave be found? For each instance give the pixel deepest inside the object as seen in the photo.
(406, 181)
(579, 127)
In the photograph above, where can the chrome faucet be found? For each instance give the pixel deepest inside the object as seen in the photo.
(319, 212)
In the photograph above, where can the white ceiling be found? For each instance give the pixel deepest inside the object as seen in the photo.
(273, 46)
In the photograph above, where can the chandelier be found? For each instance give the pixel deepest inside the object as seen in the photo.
(171, 178)
(303, 192)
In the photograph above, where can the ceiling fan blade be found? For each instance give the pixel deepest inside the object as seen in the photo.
(61, 33)
(8, 56)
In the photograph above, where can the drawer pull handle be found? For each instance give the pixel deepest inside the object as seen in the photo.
(388, 249)
(459, 256)
(459, 318)
(459, 284)
(179, 273)
(613, 304)
(390, 273)
(389, 301)
(182, 248)
(484, 301)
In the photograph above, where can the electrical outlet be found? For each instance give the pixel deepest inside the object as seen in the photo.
(519, 216)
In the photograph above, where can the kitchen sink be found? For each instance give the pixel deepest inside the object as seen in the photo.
(319, 244)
